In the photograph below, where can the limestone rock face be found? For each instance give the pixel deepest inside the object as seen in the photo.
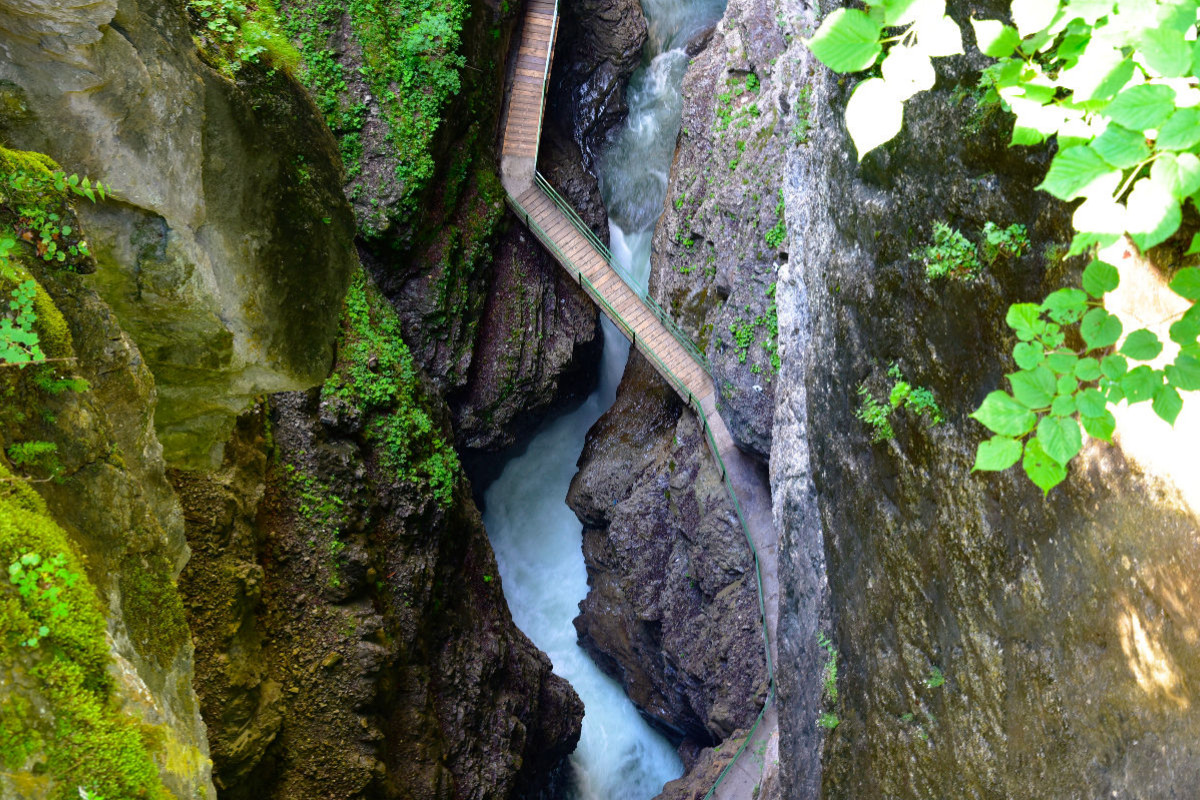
(672, 608)
(1042, 615)
(227, 245)
(721, 238)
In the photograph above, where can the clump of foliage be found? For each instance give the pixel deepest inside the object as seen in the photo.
(52, 624)
(1010, 242)
(411, 64)
(1114, 84)
(951, 255)
(778, 234)
(744, 333)
(375, 374)
(39, 455)
(936, 678)
(828, 719)
(878, 414)
(234, 33)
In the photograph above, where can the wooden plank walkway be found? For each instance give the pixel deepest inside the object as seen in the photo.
(588, 263)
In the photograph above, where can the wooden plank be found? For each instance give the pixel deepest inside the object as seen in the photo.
(535, 23)
(530, 73)
(528, 80)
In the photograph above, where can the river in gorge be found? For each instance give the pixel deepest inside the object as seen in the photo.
(537, 538)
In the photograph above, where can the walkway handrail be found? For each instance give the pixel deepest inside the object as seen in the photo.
(659, 312)
(676, 382)
(694, 402)
(546, 75)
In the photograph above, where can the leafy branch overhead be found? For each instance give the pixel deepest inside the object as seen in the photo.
(1115, 85)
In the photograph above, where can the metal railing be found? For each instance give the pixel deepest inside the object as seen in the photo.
(658, 311)
(693, 401)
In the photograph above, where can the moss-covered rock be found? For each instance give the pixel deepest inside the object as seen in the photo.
(231, 244)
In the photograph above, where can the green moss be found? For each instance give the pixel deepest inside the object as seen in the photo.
(152, 607)
(233, 33)
(57, 715)
(375, 374)
(411, 64)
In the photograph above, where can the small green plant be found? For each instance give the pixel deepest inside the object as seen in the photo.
(19, 342)
(935, 679)
(950, 255)
(828, 720)
(40, 583)
(1010, 242)
(752, 84)
(37, 455)
(902, 394)
(778, 234)
(242, 33)
(829, 681)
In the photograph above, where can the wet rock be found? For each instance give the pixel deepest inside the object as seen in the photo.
(599, 46)
(672, 609)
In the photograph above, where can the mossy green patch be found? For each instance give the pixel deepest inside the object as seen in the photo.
(233, 33)
(57, 715)
(376, 376)
(411, 62)
(152, 608)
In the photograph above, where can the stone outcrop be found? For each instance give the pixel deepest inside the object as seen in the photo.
(364, 608)
(599, 45)
(1043, 615)
(221, 257)
(90, 414)
(720, 241)
(672, 606)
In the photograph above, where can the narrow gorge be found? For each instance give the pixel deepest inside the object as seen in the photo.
(599, 399)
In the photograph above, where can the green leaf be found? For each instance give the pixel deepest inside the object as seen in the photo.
(1154, 214)
(1140, 384)
(1060, 438)
(939, 35)
(1143, 107)
(848, 41)
(1087, 369)
(894, 11)
(1186, 283)
(1165, 51)
(1063, 406)
(1004, 415)
(1181, 131)
(1100, 278)
(1141, 345)
(1065, 306)
(1184, 373)
(1033, 388)
(1099, 74)
(874, 115)
(1090, 403)
(1031, 16)
(1167, 404)
(1044, 471)
(1073, 171)
(1025, 319)
(1062, 362)
(1178, 174)
(994, 38)
(1185, 331)
(997, 454)
(1100, 329)
(908, 71)
(1066, 384)
(1121, 147)
(1028, 354)
(1100, 426)
(1114, 367)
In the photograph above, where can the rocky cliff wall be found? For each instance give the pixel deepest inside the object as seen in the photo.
(227, 245)
(365, 605)
(1056, 624)
(96, 662)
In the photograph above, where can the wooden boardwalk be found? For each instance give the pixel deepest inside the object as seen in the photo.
(652, 332)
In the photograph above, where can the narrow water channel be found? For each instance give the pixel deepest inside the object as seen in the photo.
(537, 538)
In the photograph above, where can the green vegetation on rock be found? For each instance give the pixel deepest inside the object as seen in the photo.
(410, 62)
(376, 377)
(1113, 85)
(59, 727)
(878, 414)
(232, 33)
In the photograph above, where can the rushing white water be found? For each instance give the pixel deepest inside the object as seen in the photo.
(537, 538)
